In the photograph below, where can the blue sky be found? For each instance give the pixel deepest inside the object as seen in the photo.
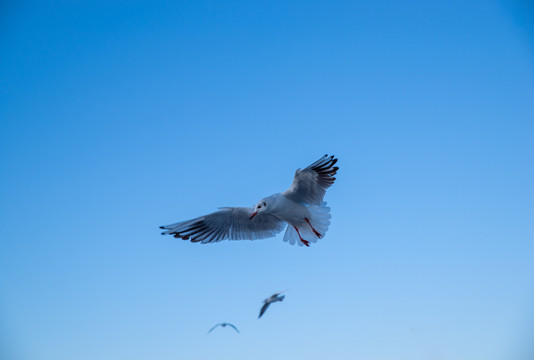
(118, 117)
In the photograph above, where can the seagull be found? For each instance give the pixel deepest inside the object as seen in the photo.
(224, 325)
(271, 299)
(301, 208)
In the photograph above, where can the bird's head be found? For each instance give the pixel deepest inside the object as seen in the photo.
(262, 205)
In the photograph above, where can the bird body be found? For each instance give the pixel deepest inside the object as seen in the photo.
(271, 299)
(301, 208)
(224, 325)
(287, 210)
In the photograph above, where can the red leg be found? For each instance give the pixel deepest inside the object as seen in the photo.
(315, 231)
(305, 242)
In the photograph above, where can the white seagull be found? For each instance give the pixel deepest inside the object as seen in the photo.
(271, 299)
(301, 208)
(224, 325)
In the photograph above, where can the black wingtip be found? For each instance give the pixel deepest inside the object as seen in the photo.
(162, 227)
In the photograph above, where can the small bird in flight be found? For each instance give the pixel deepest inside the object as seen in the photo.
(301, 207)
(271, 299)
(224, 324)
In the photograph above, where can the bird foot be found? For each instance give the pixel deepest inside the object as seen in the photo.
(315, 231)
(305, 242)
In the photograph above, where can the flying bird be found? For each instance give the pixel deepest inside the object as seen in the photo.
(301, 208)
(224, 324)
(271, 299)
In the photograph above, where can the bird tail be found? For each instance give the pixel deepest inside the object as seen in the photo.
(291, 236)
(320, 221)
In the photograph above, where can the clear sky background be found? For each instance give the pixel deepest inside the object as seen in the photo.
(117, 117)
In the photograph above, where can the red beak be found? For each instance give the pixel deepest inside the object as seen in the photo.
(253, 214)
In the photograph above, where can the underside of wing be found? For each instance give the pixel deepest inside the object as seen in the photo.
(213, 328)
(233, 326)
(263, 309)
(310, 184)
(226, 224)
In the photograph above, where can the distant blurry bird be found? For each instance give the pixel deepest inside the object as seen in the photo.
(273, 298)
(224, 325)
(301, 208)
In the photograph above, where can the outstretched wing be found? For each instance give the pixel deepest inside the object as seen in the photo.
(232, 325)
(309, 185)
(214, 327)
(263, 308)
(279, 293)
(226, 224)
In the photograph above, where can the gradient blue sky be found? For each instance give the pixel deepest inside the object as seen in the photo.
(118, 117)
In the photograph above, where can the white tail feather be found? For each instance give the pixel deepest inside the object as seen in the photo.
(291, 236)
(320, 220)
